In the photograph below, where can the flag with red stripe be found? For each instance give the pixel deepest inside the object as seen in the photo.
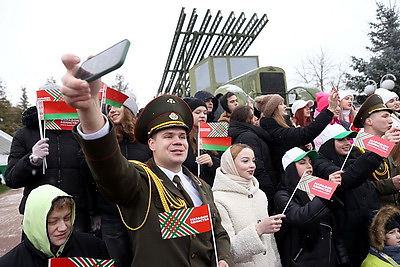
(215, 143)
(114, 97)
(58, 110)
(80, 262)
(213, 129)
(373, 143)
(185, 222)
(317, 186)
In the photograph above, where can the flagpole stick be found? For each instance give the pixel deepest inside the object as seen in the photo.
(213, 237)
(198, 150)
(294, 191)
(41, 133)
(347, 156)
(287, 204)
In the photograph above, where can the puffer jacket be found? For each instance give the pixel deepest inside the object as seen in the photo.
(284, 139)
(66, 165)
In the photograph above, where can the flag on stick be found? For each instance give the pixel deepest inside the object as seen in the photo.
(58, 110)
(213, 129)
(185, 222)
(115, 98)
(317, 186)
(373, 143)
(215, 143)
(80, 262)
(61, 124)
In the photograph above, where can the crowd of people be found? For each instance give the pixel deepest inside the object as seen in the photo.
(97, 191)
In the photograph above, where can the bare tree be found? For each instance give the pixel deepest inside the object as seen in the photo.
(321, 72)
(119, 83)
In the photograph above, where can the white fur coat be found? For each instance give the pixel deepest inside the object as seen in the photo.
(240, 210)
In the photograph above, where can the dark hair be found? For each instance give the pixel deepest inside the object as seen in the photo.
(242, 114)
(224, 101)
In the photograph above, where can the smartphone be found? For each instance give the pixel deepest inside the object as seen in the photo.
(104, 62)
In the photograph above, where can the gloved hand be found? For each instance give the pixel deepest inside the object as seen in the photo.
(40, 150)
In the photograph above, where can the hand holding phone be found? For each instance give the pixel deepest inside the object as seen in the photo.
(104, 62)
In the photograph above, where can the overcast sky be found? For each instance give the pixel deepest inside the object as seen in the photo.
(35, 34)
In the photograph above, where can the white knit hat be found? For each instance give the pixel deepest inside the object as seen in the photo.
(344, 93)
(130, 102)
(296, 154)
(385, 94)
(299, 104)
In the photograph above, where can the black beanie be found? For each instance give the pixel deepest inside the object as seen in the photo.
(391, 224)
(194, 103)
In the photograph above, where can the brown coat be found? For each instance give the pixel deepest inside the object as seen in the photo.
(127, 184)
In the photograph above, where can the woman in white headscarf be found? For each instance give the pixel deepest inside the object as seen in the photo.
(243, 209)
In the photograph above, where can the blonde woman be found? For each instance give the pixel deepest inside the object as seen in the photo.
(243, 209)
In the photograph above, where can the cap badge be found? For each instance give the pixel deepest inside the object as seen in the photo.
(171, 101)
(173, 116)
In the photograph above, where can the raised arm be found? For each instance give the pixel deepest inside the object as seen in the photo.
(82, 96)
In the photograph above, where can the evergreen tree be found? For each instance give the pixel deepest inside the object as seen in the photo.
(385, 50)
(10, 117)
(23, 103)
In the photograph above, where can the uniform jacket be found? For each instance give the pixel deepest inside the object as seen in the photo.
(66, 166)
(128, 185)
(259, 140)
(35, 250)
(374, 261)
(131, 151)
(240, 211)
(284, 139)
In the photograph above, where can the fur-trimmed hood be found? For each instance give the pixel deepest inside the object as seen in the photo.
(377, 229)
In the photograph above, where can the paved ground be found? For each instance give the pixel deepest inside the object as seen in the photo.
(10, 220)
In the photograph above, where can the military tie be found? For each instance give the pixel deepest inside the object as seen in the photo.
(185, 194)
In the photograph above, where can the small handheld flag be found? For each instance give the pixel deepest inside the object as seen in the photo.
(114, 97)
(80, 262)
(317, 186)
(185, 222)
(58, 110)
(213, 129)
(215, 143)
(373, 143)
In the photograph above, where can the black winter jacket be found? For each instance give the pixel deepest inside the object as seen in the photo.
(78, 245)
(358, 195)
(308, 236)
(66, 166)
(284, 139)
(259, 140)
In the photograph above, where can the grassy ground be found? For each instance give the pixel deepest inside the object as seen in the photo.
(3, 188)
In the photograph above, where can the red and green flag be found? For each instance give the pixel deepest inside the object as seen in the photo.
(213, 129)
(52, 94)
(114, 97)
(61, 124)
(58, 110)
(185, 222)
(80, 262)
(215, 143)
(317, 186)
(374, 143)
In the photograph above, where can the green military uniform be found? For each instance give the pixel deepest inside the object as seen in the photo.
(380, 178)
(129, 185)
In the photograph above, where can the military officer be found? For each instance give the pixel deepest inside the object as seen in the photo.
(142, 191)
